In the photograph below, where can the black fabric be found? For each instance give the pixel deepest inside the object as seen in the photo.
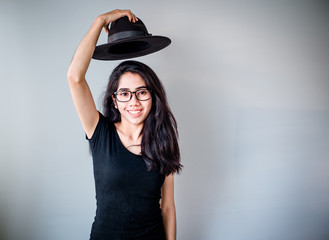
(127, 194)
(129, 40)
(123, 24)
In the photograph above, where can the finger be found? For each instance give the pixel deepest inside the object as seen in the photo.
(131, 16)
(135, 18)
(106, 28)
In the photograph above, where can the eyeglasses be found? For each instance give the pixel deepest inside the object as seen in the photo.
(125, 95)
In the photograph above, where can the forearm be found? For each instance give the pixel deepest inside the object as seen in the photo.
(169, 223)
(85, 50)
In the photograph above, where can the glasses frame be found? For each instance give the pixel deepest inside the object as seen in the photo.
(131, 94)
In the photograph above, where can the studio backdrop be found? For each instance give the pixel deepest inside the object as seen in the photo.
(248, 82)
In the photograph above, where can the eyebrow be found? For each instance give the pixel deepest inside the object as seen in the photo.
(128, 89)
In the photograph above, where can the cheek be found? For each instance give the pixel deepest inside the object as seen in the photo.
(149, 106)
(121, 107)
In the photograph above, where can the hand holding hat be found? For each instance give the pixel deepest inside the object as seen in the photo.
(127, 37)
(116, 14)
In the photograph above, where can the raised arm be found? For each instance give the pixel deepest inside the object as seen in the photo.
(82, 97)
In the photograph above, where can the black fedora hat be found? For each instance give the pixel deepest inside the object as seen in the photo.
(128, 40)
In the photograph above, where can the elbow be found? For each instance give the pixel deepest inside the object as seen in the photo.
(168, 208)
(74, 78)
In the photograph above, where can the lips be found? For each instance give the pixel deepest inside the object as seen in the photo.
(134, 112)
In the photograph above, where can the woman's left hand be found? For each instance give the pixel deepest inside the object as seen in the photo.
(109, 17)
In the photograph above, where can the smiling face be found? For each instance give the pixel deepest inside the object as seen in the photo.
(134, 111)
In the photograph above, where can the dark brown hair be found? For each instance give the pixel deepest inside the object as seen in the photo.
(160, 148)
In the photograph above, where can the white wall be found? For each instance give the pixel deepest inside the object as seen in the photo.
(248, 82)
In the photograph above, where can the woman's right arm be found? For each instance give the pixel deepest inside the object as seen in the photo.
(82, 97)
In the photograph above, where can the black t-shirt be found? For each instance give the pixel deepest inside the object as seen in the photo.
(127, 194)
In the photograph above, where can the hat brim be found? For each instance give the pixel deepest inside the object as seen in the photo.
(130, 47)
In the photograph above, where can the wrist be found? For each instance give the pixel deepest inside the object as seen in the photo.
(100, 20)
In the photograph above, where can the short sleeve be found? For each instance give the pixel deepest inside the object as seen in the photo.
(100, 134)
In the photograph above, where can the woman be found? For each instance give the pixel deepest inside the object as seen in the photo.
(134, 145)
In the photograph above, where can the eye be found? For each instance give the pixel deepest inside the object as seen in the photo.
(123, 93)
(142, 92)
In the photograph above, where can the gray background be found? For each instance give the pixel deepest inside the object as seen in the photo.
(248, 82)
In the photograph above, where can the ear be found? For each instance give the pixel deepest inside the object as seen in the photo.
(114, 102)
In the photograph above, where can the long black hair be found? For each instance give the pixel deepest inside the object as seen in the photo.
(159, 144)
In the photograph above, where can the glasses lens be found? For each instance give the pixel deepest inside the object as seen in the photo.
(143, 94)
(123, 96)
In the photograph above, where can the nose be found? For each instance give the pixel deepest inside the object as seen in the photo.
(134, 100)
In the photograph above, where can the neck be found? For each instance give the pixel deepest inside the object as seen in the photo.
(130, 131)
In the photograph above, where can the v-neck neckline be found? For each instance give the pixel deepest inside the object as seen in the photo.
(122, 145)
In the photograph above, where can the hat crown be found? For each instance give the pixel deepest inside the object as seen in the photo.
(128, 40)
(123, 28)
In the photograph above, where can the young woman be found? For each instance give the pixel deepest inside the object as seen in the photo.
(133, 144)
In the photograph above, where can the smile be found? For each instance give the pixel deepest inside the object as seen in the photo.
(134, 112)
